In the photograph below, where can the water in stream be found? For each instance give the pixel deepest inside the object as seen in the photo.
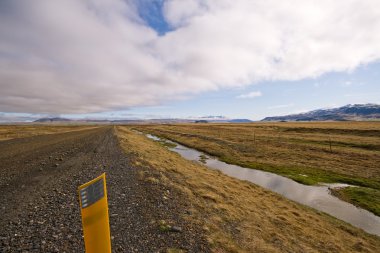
(317, 197)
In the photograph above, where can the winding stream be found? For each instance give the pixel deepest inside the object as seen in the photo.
(317, 197)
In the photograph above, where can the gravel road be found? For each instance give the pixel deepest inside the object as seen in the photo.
(40, 212)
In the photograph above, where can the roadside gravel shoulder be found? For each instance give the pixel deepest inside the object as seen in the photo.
(40, 210)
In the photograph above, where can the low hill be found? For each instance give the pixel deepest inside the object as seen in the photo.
(240, 121)
(354, 112)
(214, 119)
(50, 120)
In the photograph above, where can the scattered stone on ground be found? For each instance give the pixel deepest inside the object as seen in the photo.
(40, 209)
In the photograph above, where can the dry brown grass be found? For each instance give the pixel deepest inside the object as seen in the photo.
(355, 145)
(241, 217)
(19, 131)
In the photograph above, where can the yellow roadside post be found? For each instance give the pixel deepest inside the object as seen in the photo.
(94, 210)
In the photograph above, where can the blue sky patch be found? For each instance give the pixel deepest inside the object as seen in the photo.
(152, 12)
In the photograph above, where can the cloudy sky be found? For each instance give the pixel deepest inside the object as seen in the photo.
(180, 58)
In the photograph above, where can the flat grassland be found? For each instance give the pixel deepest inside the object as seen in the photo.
(238, 216)
(20, 131)
(310, 153)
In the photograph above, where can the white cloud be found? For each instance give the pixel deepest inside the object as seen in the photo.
(96, 55)
(346, 84)
(19, 117)
(252, 94)
(362, 95)
(280, 106)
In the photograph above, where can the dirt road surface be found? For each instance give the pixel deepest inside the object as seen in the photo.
(39, 177)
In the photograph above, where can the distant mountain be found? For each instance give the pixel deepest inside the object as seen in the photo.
(207, 119)
(201, 121)
(240, 121)
(216, 119)
(344, 113)
(51, 120)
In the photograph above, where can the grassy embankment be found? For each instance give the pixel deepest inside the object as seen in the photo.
(238, 216)
(366, 198)
(20, 131)
(300, 151)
